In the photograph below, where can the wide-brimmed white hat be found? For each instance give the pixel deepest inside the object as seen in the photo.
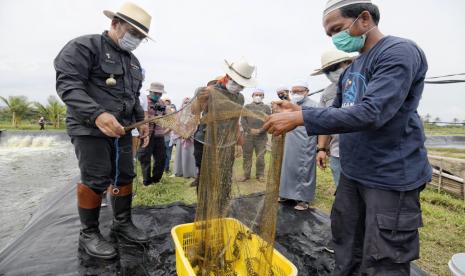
(134, 15)
(241, 72)
(157, 87)
(332, 57)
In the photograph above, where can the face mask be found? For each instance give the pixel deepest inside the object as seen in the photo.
(297, 98)
(348, 43)
(129, 42)
(233, 87)
(257, 99)
(335, 75)
(283, 97)
(154, 98)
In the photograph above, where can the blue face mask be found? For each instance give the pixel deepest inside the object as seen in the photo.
(348, 43)
(155, 98)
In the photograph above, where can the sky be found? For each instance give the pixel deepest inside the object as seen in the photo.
(284, 39)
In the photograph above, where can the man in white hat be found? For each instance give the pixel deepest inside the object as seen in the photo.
(255, 138)
(156, 146)
(226, 98)
(99, 79)
(376, 212)
(333, 63)
(298, 173)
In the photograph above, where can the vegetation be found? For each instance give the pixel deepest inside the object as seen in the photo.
(444, 130)
(442, 236)
(54, 111)
(21, 114)
(447, 152)
(17, 107)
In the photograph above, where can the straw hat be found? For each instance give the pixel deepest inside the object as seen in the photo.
(241, 72)
(332, 57)
(157, 87)
(134, 15)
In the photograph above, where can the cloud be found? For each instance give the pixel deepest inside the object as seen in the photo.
(284, 38)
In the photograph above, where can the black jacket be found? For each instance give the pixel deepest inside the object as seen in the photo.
(82, 68)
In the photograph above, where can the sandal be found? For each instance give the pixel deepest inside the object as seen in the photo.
(301, 206)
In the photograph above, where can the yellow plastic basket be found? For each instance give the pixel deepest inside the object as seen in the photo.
(183, 237)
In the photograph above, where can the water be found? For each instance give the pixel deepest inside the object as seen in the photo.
(450, 142)
(31, 166)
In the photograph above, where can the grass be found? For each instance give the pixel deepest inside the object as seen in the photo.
(29, 126)
(442, 236)
(434, 130)
(447, 152)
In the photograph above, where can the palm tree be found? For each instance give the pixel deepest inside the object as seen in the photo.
(54, 111)
(17, 107)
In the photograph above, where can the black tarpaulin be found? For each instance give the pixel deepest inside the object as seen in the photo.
(49, 243)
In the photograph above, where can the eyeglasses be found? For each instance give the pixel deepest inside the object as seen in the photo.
(299, 91)
(134, 32)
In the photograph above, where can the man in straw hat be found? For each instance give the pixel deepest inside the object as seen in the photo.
(333, 63)
(228, 90)
(199, 135)
(98, 78)
(376, 213)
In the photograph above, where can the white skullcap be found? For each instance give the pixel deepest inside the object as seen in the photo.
(333, 5)
(258, 90)
(300, 83)
(282, 88)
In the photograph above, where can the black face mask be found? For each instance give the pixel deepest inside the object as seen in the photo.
(283, 97)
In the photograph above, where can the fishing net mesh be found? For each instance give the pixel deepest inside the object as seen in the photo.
(219, 245)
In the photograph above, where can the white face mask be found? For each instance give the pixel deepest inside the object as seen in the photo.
(334, 76)
(257, 99)
(129, 42)
(297, 98)
(233, 87)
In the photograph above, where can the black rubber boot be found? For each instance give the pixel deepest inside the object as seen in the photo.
(123, 227)
(90, 239)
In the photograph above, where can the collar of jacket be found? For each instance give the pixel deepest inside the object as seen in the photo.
(110, 41)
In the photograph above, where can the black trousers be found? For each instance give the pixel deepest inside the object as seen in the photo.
(375, 232)
(155, 149)
(97, 157)
(198, 152)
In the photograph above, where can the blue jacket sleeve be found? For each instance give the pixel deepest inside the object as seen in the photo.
(393, 74)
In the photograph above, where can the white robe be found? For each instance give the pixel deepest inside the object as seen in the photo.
(298, 174)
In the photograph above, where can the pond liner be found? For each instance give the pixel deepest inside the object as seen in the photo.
(48, 244)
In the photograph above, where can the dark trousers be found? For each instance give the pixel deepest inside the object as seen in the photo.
(198, 152)
(97, 156)
(168, 150)
(255, 144)
(375, 232)
(155, 149)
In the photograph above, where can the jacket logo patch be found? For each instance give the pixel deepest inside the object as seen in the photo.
(135, 67)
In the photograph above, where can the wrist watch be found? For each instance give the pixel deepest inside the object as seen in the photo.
(318, 149)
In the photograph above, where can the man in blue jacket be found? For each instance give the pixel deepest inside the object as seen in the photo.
(376, 213)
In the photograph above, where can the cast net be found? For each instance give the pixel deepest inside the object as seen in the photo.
(219, 244)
